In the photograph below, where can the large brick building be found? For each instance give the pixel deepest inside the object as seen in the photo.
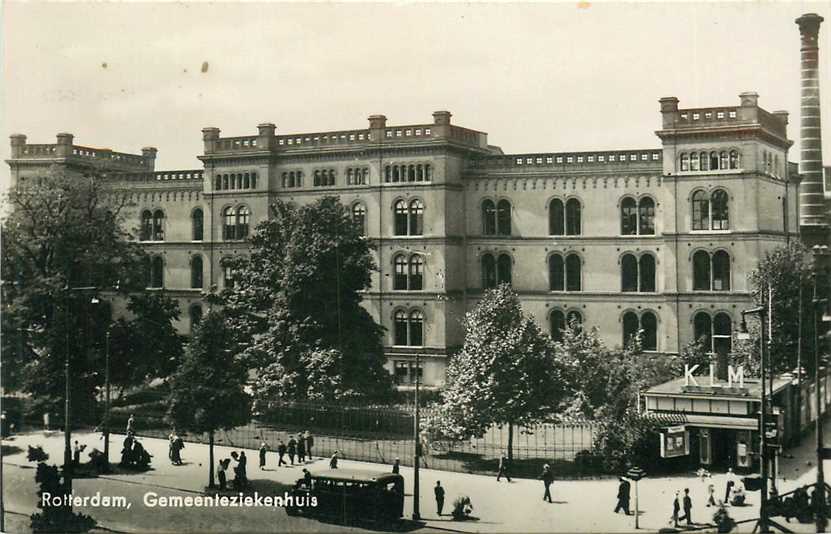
(659, 239)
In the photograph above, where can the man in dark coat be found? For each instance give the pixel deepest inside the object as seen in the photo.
(547, 478)
(439, 491)
(623, 496)
(396, 466)
(292, 449)
(503, 468)
(687, 507)
(310, 441)
(281, 451)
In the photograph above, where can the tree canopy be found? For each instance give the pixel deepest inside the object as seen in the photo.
(296, 306)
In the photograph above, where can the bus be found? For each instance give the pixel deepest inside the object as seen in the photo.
(351, 495)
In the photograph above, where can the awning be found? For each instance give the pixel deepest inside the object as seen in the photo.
(719, 421)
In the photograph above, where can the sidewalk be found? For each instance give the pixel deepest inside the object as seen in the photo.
(579, 505)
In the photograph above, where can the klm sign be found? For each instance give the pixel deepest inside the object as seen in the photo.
(735, 377)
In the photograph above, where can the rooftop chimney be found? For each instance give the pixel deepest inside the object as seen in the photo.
(811, 216)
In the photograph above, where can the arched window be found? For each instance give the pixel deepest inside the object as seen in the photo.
(694, 162)
(720, 215)
(734, 159)
(721, 271)
(703, 330)
(254, 180)
(646, 266)
(399, 279)
(713, 161)
(395, 174)
(722, 334)
(428, 172)
(631, 325)
(488, 217)
(400, 329)
(243, 222)
(573, 217)
(701, 271)
(387, 174)
(218, 182)
(649, 326)
(705, 162)
(416, 328)
(198, 224)
(628, 273)
(700, 211)
(628, 216)
(246, 181)
(503, 269)
(227, 273)
(225, 181)
(416, 218)
(556, 273)
(488, 271)
(557, 322)
(157, 272)
(573, 272)
(316, 179)
(359, 218)
(556, 218)
(416, 281)
(722, 160)
(146, 230)
(646, 216)
(400, 218)
(196, 272)
(195, 316)
(685, 162)
(574, 319)
(158, 225)
(503, 217)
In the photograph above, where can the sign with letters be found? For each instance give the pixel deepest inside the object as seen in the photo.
(735, 376)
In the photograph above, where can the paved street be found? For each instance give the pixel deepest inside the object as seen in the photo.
(580, 505)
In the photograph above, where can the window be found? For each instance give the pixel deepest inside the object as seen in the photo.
(557, 322)
(711, 273)
(416, 278)
(243, 222)
(556, 217)
(146, 230)
(503, 269)
(195, 316)
(722, 160)
(408, 272)
(196, 272)
(685, 162)
(710, 212)
(407, 372)
(646, 216)
(229, 227)
(628, 216)
(503, 217)
(694, 162)
(155, 272)
(645, 326)
(564, 274)
(488, 218)
(359, 218)
(715, 333)
(197, 223)
(647, 273)
(400, 218)
(158, 226)
(416, 218)
(734, 159)
(714, 161)
(488, 266)
(408, 328)
(629, 273)
(573, 217)
(409, 218)
(399, 279)
(227, 273)
(496, 271)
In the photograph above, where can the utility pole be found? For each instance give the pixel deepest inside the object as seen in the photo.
(416, 434)
(107, 398)
(818, 305)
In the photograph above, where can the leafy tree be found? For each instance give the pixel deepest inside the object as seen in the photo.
(206, 391)
(296, 306)
(696, 353)
(505, 374)
(786, 270)
(63, 232)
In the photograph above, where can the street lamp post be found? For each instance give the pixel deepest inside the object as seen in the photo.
(107, 399)
(416, 434)
(820, 256)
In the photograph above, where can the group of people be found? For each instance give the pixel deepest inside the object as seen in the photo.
(240, 480)
(133, 454)
(299, 447)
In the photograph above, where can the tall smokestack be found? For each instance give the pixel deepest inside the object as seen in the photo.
(811, 216)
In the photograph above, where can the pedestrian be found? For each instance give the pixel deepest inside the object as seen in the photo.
(687, 507)
(623, 496)
(131, 424)
(307, 478)
(76, 454)
(439, 491)
(281, 451)
(396, 466)
(292, 448)
(547, 478)
(503, 468)
(263, 450)
(243, 463)
(731, 481)
(178, 445)
(333, 461)
(310, 440)
(711, 495)
(676, 509)
(170, 439)
(220, 473)
(301, 450)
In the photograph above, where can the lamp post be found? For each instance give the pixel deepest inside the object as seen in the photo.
(761, 311)
(820, 257)
(416, 435)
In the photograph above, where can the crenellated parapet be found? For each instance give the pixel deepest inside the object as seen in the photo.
(66, 151)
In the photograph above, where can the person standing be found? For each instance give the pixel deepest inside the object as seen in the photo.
(503, 468)
(731, 481)
(178, 445)
(547, 479)
(301, 450)
(439, 491)
(243, 473)
(170, 438)
(623, 496)
(220, 473)
(292, 448)
(263, 450)
(307, 478)
(307, 436)
(396, 466)
(131, 424)
(281, 451)
(333, 461)
(676, 509)
(711, 495)
(76, 454)
(687, 507)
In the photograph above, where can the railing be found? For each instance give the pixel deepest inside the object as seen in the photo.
(109, 155)
(565, 160)
(236, 143)
(161, 176)
(39, 150)
(324, 138)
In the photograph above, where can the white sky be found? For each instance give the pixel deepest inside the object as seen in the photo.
(536, 77)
